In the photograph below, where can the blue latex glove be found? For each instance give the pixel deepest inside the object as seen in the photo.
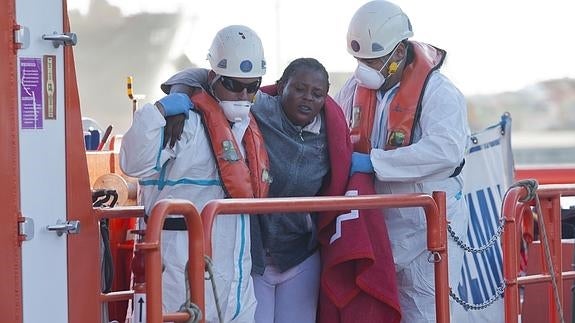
(360, 162)
(176, 103)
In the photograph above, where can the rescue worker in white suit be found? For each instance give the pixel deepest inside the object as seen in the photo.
(409, 127)
(220, 124)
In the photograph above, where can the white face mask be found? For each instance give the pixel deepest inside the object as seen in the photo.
(236, 111)
(369, 77)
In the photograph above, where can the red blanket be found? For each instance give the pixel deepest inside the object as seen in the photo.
(358, 278)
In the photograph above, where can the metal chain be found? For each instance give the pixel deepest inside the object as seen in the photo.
(492, 240)
(479, 249)
(531, 187)
(470, 306)
(500, 290)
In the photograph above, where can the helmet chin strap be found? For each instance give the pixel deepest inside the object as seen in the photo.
(212, 92)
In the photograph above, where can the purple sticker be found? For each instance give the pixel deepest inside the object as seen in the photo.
(31, 113)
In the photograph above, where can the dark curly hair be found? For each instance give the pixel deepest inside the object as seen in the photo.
(300, 63)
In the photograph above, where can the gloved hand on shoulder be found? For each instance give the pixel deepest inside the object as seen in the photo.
(175, 103)
(360, 162)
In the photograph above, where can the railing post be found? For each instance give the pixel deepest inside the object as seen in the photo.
(437, 244)
(549, 210)
(510, 209)
(139, 300)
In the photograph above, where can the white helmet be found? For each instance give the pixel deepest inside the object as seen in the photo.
(237, 51)
(376, 28)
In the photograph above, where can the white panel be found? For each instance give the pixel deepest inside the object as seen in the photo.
(42, 171)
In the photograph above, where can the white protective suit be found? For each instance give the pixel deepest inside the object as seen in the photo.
(425, 166)
(188, 171)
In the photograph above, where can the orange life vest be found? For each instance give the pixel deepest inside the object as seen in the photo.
(240, 178)
(405, 108)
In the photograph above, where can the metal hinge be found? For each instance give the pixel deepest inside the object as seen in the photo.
(26, 228)
(21, 37)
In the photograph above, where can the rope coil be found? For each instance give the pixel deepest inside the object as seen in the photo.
(193, 309)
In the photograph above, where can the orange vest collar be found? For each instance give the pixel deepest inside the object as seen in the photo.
(405, 107)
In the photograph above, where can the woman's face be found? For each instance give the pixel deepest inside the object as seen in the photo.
(303, 95)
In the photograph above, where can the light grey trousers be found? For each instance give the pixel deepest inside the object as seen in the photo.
(290, 296)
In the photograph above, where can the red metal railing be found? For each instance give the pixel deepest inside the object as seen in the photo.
(121, 212)
(513, 210)
(153, 263)
(514, 206)
(151, 246)
(434, 210)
